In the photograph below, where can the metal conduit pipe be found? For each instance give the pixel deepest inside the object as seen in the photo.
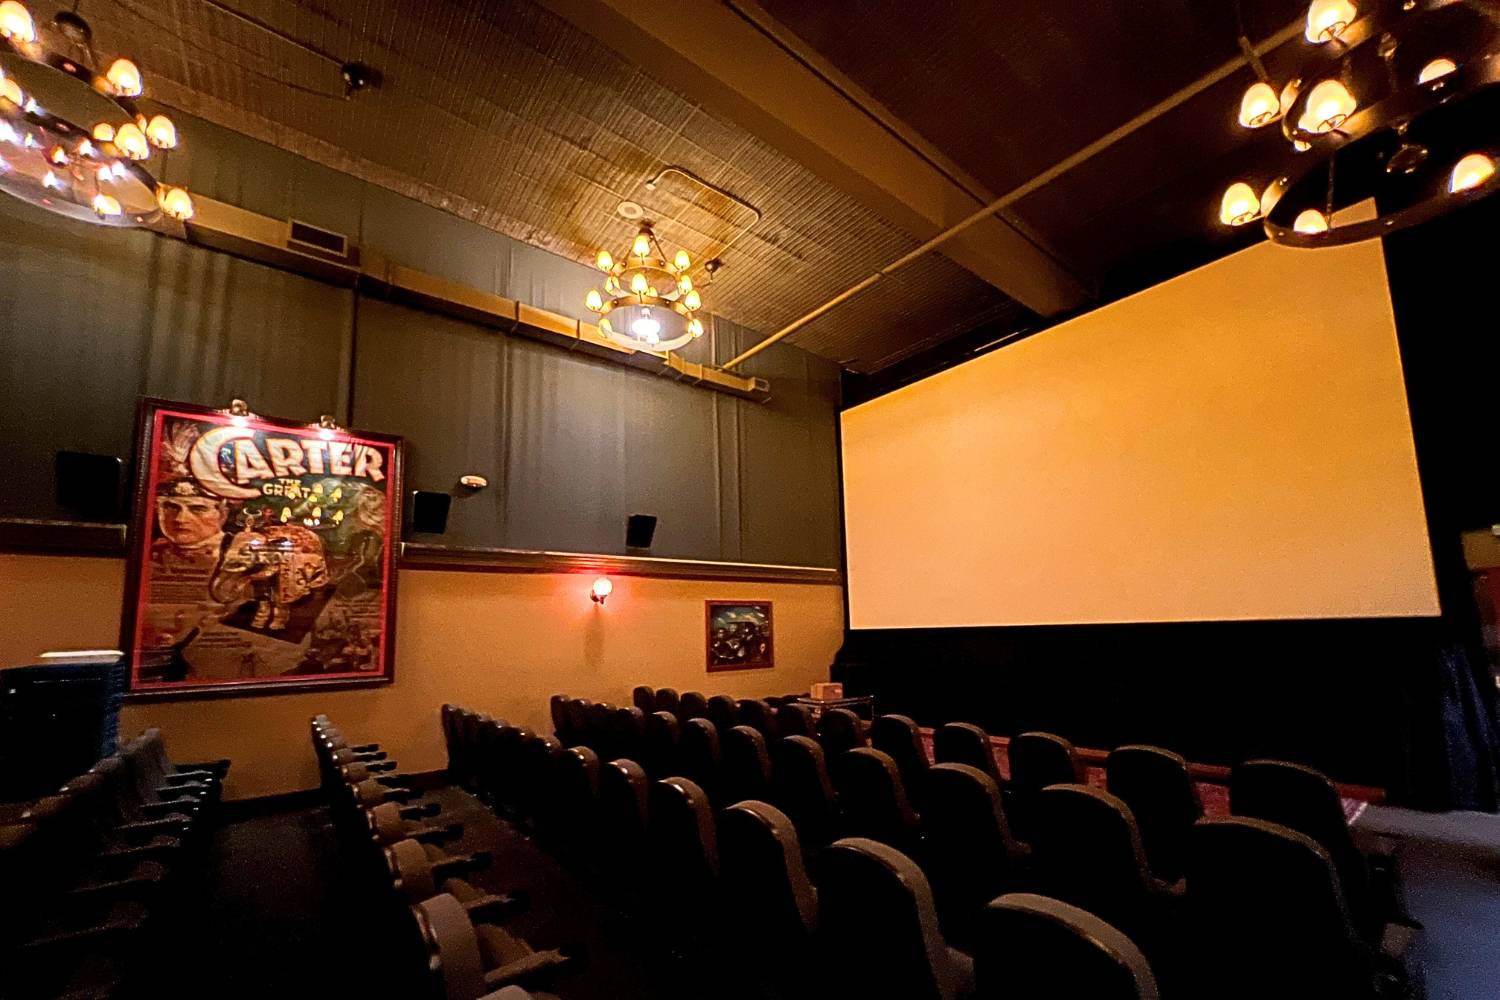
(1192, 90)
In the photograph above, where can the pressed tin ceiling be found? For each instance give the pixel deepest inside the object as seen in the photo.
(504, 114)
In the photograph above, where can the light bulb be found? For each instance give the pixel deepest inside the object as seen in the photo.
(51, 181)
(104, 174)
(85, 148)
(1327, 19)
(651, 291)
(11, 91)
(682, 261)
(645, 327)
(695, 327)
(593, 301)
(684, 284)
(161, 132)
(1239, 205)
(119, 170)
(124, 77)
(1470, 172)
(58, 155)
(605, 327)
(1300, 146)
(638, 283)
(601, 589)
(692, 300)
(1328, 106)
(105, 204)
(642, 245)
(1436, 70)
(15, 22)
(132, 141)
(612, 284)
(176, 203)
(1311, 221)
(604, 261)
(104, 132)
(1260, 105)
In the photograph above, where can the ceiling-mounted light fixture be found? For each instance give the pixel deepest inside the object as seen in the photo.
(82, 154)
(1396, 101)
(648, 302)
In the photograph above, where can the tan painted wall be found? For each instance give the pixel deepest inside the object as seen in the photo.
(497, 642)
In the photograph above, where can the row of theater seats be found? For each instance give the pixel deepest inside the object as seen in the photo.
(443, 935)
(95, 876)
(1282, 879)
(733, 883)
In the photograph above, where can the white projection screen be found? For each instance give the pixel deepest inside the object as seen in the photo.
(1233, 444)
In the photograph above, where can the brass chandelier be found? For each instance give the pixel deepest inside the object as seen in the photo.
(648, 302)
(1395, 100)
(72, 140)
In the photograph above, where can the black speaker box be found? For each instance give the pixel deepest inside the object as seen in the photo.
(429, 512)
(88, 485)
(639, 530)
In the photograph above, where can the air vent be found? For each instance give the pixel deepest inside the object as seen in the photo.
(322, 242)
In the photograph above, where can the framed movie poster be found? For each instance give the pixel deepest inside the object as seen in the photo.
(261, 553)
(739, 635)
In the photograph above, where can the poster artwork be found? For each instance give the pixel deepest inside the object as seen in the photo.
(262, 553)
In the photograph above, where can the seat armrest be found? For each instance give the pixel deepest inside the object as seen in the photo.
(183, 789)
(117, 887)
(179, 826)
(539, 965)
(86, 937)
(145, 851)
(218, 767)
(182, 811)
(491, 909)
(205, 778)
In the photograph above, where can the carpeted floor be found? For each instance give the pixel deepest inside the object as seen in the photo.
(281, 921)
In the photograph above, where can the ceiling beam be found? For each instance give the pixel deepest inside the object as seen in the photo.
(746, 74)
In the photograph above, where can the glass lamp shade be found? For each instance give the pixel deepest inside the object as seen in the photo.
(1310, 221)
(1327, 19)
(125, 77)
(15, 21)
(1436, 70)
(1470, 172)
(1240, 205)
(1260, 105)
(647, 327)
(1327, 107)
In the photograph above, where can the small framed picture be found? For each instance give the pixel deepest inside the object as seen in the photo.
(739, 635)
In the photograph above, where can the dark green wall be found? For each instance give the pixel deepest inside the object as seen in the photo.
(90, 319)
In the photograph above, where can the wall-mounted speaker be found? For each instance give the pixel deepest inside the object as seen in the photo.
(639, 530)
(429, 512)
(88, 485)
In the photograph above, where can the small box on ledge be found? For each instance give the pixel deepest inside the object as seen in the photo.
(827, 691)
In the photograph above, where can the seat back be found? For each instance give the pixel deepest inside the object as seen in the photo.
(668, 700)
(558, 706)
(772, 901)
(699, 757)
(576, 793)
(723, 712)
(746, 766)
(970, 854)
(1306, 800)
(1036, 761)
(758, 715)
(803, 790)
(873, 801)
(683, 836)
(839, 730)
(692, 705)
(1265, 905)
(628, 731)
(966, 743)
(624, 791)
(644, 698)
(577, 711)
(537, 762)
(1088, 852)
(659, 745)
(793, 719)
(1034, 948)
(896, 736)
(1164, 799)
(877, 926)
(598, 735)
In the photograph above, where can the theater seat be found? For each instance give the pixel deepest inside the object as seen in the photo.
(1305, 800)
(723, 712)
(598, 734)
(969, 853)
(1034, 948)
(669, 701)
(966, 743)
(628, 728)
(685, 859)
(577, 712)
(659, 744)
(758, 715)
(644, 698)
(897, 737)
(1268, 918)
(746, 769)
(1163, 797)
(839, 730)
(803, 790)
(576, 798)
(472, 961)
(769, 899)
(873, 802)
(557, 705)
(1088, 852)
(418, 871)
(795, 720)
(624, 790)
(1036, 761)
(878, 933)
(692, 706)
(538, 763)
(699, 754)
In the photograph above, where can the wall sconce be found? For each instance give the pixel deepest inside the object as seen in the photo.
(601, 590)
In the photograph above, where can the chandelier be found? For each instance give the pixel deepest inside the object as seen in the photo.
(648, 302)
(1395, 100)
(72, 140)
